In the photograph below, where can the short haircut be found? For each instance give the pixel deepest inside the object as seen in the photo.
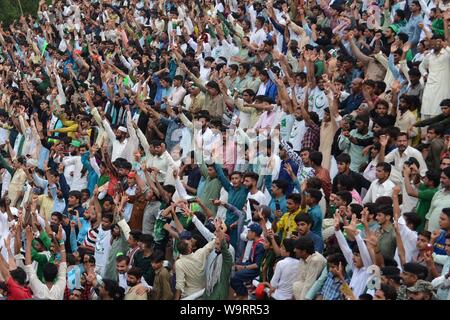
(306, 218)
(446, 211)
(296, 197)
(314, 193)
(76, 194)
(123, 258)
(446, 172)
(147, 239)
(424, 233)
(345, 196)
(251, 175)
(390, 293)
(385, 166)
(281, 184)
(386, 210)
(108, 216)
(337, 258)
(157, 256)
(316, 157)
(136, 234)
(445, 102)
(356, 209)
(50, 272)
(135, 271)
(183, 247)
(289, 246)
(343, 158)
(412, 218)
(305, 244)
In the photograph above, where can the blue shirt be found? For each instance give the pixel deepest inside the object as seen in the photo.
(284, 175)
(316, 214)
(331, 289)
(439, 244)
(318, 242)
(351, 103)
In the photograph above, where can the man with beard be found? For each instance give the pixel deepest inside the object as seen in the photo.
(118, 139)
(438, 66)
(136, 290)
(400, 155)
(411, 274)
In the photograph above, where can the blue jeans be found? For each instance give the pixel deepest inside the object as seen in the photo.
(237, 282)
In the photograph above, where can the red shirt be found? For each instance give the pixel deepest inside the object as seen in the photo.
(17, 292)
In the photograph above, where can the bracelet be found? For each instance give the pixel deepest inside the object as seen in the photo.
(61, 242)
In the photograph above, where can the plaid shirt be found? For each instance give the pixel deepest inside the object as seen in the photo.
(311, 138)
(331, 289)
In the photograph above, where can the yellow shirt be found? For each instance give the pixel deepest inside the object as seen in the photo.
(46, 204)
(287, 223)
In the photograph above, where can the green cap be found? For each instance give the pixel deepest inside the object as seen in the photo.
(75, 143)
(394, 28)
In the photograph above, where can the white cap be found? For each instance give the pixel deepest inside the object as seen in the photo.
(32, 163)
(123, 129)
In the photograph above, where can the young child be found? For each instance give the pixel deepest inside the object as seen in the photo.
(331, 289)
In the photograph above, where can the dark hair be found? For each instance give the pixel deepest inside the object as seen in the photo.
(344, 158)
(306, 218)
(156, 142)
(306, 244)
(114, 290)
(58, 215)
(136, 234)
(157, 256)
(314, 183)
(445, 102)
(183, 247)
(108, 216)
(19, 275)
(123, 258)
(76, 194)
(438, 129)
(314, 193)
(446, 171)
(282, 184)
(386, 210)
(383, 201)
(316, 157)
(385, 166)
(356, 209)
(446, 211)
(337, 258)
(296, 197)
(50, 272)
(289, 245)
(345, 196)
(426, 234)
(412, 218)
(135, 271)
(433, 176)
(346, 181)
(390, 293)
(147, 239)
(252, 176)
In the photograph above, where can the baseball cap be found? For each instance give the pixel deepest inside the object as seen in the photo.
(256, 228)
(417, 269)
(185, 235)
(123, 129)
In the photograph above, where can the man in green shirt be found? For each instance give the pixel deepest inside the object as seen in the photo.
(424, 193)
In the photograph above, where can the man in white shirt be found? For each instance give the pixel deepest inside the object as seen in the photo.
(118, 140)
(103, 244)
(177, 94)
(258, 36)
(398, 156)
(73, 166)
(311, 266)
(55, 279)
(160, 160)
(382, 187)
(298, 131)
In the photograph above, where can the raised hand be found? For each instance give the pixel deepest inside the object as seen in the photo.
(383, 140)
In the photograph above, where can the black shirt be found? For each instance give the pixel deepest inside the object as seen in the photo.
(358, 180)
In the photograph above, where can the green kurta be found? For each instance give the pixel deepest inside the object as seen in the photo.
(425, 195)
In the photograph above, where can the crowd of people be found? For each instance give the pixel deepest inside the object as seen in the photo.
(227, 149)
